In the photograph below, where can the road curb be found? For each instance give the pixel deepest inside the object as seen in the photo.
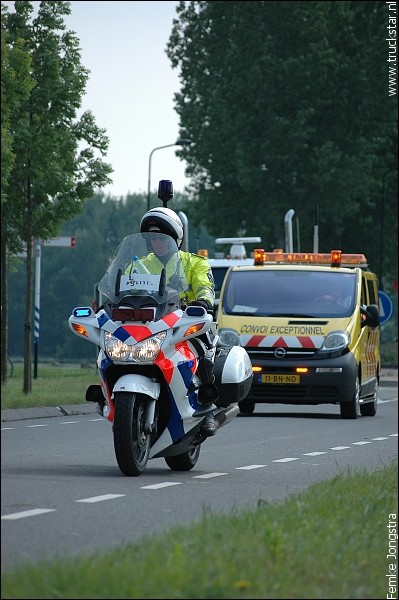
(40, 412)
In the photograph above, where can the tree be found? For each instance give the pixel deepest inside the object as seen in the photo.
(15, 89)
(58, 156)
(285, 107)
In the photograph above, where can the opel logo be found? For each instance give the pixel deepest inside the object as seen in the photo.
(279, 352)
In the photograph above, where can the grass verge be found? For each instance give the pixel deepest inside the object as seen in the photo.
(54, 386)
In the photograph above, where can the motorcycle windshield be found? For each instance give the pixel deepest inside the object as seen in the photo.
(144, 264)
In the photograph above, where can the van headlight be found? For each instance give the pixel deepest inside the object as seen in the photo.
(336, 340)
(228, 338)
(145, 351)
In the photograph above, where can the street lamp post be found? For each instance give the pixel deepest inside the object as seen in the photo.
(179, 142)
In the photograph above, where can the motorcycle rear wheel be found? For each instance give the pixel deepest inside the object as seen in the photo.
(131, 442)
(185, 461)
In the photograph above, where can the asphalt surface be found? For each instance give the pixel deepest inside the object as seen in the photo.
(389, 378)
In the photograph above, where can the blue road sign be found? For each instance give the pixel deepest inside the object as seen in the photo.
(386, 307)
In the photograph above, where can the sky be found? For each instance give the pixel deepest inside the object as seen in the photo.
(130, 88)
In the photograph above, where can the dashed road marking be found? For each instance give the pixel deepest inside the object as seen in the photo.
(313, 453)
(208, 475)
(158, 486)
(249, 467)
(27, 513)
(94, 499)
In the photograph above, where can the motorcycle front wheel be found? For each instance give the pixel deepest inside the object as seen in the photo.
(131, 442)
(185, 461)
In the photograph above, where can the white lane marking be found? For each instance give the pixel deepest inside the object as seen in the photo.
(31, 426)
(313, 453)
(360, 443)
(6, 428)
(282, 460)
(393, 435)
(158, 486)
(340, 448)
(250, 467)
(379, 438)
(101, 498)
(208, 475)
(27, 513)
(68, 422)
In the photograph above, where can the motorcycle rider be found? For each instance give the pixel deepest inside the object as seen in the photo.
(201, 292)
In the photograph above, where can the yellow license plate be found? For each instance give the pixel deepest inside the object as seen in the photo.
(280, 378)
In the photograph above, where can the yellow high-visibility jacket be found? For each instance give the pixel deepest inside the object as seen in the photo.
(197, 270)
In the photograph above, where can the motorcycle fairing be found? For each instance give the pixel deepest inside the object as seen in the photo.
(137, 332)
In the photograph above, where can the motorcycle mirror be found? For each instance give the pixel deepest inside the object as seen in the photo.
(165, 191)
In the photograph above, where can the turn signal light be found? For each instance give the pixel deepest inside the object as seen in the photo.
(80, 329)
(193, 329)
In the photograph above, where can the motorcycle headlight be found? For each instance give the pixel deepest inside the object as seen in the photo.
(336, 340)
(228, 338)
(145, 351)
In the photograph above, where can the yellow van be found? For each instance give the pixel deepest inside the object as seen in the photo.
(310, 324)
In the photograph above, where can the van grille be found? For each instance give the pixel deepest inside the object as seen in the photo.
(290, 353)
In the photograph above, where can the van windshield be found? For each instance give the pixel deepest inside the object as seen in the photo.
(290, 293)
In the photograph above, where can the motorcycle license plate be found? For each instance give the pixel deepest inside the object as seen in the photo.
(279, 378)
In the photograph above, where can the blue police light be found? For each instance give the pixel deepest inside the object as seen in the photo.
(82, 312)
(195, 311)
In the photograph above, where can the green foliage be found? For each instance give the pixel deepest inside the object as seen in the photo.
(16, 87)
(287, 107)
(54, 159)
(331, 541)
(57, 156)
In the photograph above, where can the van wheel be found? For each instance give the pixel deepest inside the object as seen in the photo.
(246, 407)
(349, 410)
(369, 409)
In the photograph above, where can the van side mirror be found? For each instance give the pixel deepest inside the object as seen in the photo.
(370, 316)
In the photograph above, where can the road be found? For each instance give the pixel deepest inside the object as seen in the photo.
(63, 494)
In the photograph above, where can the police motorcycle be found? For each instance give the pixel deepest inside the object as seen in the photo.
(148, 361)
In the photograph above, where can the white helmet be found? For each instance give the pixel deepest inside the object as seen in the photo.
(166, 220)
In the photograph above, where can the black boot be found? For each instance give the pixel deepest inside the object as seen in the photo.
(208, 393)
(209, 426)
